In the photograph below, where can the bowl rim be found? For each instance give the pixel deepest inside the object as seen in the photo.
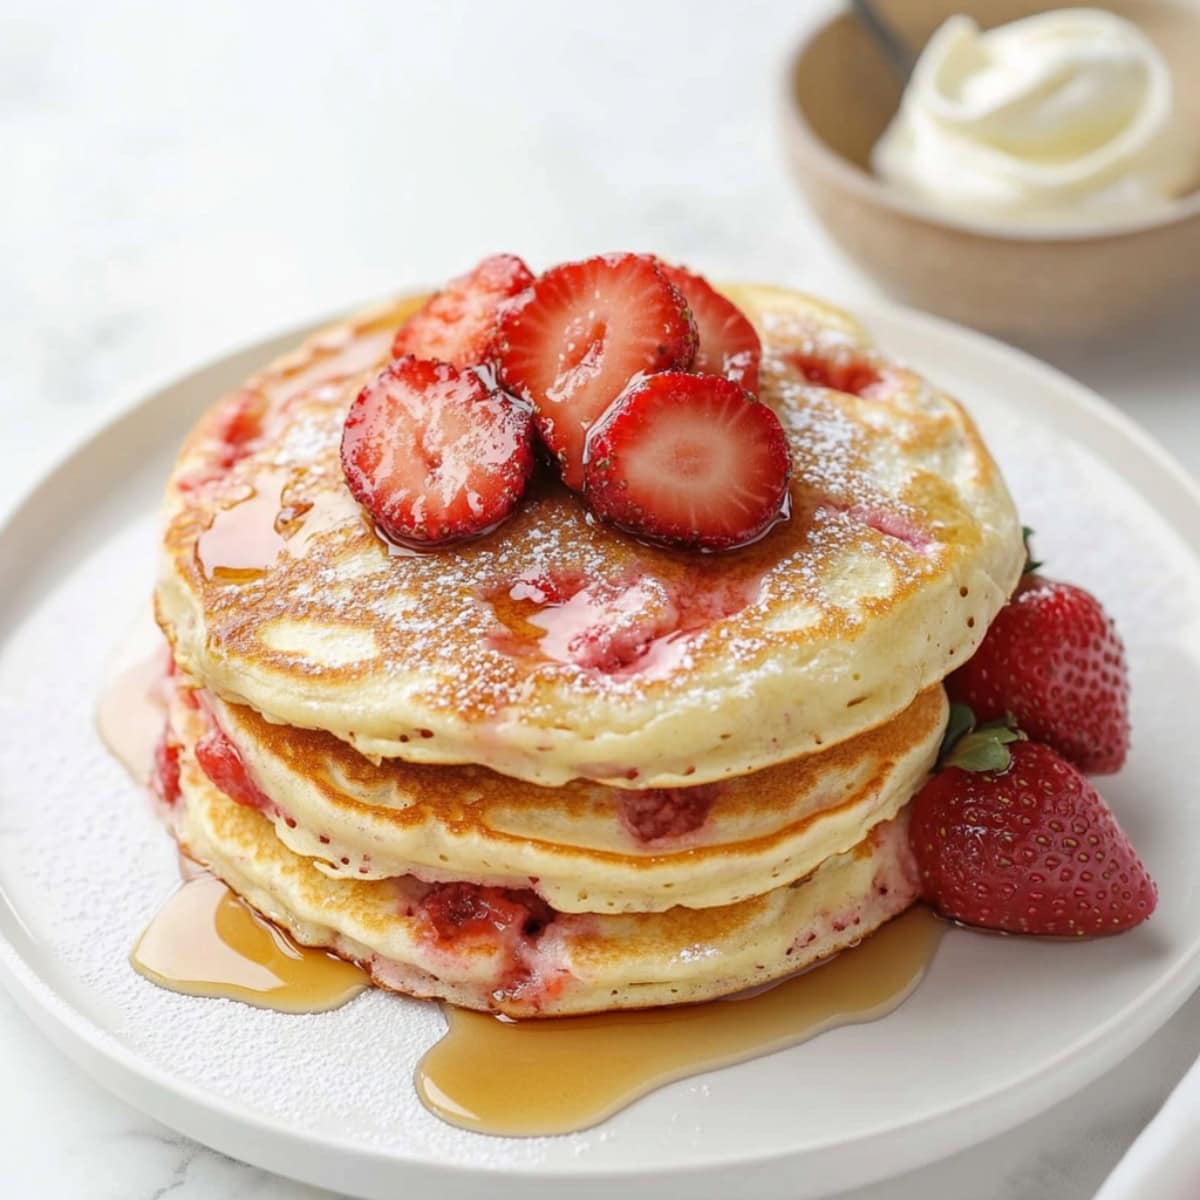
(869, 187)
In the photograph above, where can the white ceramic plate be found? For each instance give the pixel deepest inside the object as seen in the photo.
(1001, 1028)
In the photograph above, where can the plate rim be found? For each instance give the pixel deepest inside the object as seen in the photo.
(270, 1143)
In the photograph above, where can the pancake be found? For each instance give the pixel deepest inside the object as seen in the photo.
(583, 847)
(524, 959)
(557, 648)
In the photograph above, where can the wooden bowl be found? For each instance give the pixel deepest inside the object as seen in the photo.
(1029, 284)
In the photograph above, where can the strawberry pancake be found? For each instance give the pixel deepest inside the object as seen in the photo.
(504, 948)
(589, 550)
(576, 641)
(583, 847)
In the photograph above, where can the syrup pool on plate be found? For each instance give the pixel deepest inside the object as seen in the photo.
(534, 1077)
(206, 941)
(524, 1078)
(488, 1074)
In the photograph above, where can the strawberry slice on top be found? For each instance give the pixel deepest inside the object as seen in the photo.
(435, 454)
(692, 460)
(220, 760)
(456, 325)
(571, 343)
(728, 343)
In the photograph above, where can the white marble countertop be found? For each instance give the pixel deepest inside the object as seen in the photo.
(183, 179)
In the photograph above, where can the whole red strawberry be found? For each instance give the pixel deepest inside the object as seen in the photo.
(1053, 659)
(1027, 847)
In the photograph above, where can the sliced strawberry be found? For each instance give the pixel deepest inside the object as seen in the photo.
(1053, 658)
(571, 343)
(165, 779)
(1013, 837)
(728, 344)
(237, 428)
(471, 911)
(435, 454)
(658, 813)
(242, 418)
(608, 625)
(219, 760)
(547, 587)
(689, 459)
(841, 370)
(457, 324)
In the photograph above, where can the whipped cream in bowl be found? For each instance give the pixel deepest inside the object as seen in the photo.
(1066, 118)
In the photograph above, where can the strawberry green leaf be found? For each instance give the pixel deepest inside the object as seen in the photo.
(961, 721)
(1031, 563)
(985, 748)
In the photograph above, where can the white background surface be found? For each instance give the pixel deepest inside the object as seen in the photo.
(181, 179)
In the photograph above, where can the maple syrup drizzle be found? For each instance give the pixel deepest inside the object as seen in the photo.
(528, 1078)
(132, 706)
(243, 539)
(642, 625)
(336, 359)
(490, 1075)
(559, 628)
(247, 538)
(207, 941)
(190, 869)
(329, 511)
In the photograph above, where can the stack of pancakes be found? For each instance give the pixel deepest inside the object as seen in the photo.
(555, 770)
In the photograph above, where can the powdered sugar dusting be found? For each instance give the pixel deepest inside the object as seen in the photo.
(432, 616)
